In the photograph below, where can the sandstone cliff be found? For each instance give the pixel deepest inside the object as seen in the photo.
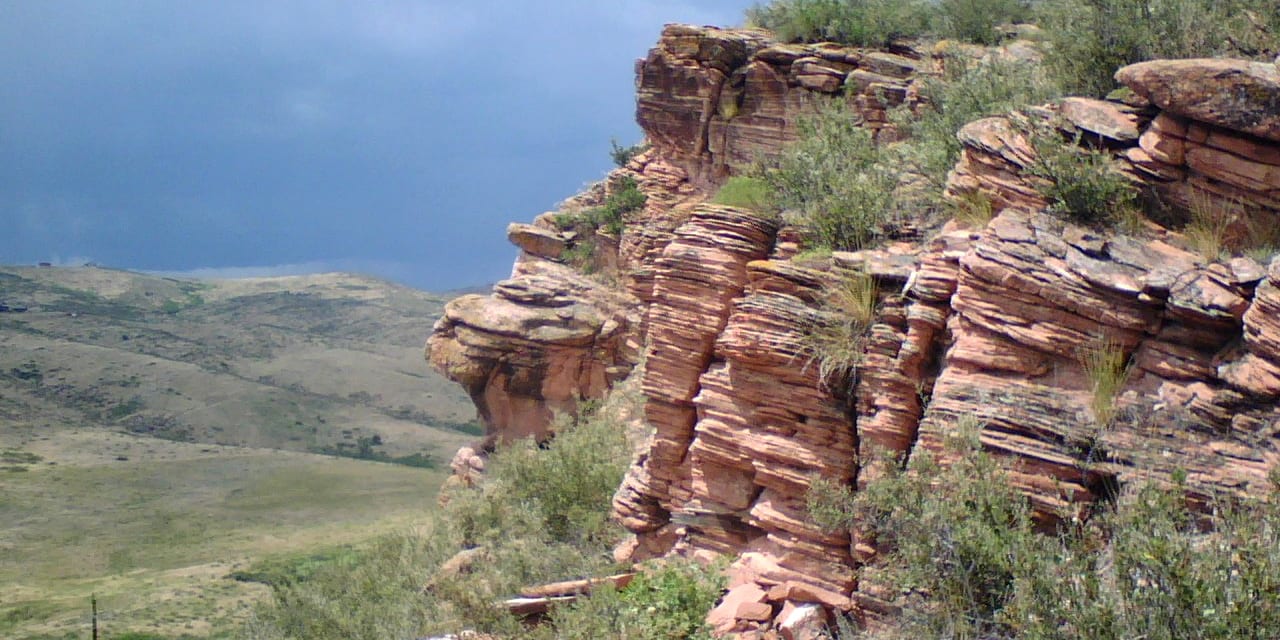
(989, 323)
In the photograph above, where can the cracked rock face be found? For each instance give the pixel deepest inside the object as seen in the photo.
(988, 323)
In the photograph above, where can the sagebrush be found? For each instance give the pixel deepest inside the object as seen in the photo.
(835, 181)
(969, 560)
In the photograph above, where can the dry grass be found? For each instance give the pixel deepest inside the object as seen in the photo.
(1206, 230)
(1107, 367)
(836, 338)
(972, 209)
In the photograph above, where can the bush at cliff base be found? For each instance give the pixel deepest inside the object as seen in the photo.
(539, 516)
(969, 563)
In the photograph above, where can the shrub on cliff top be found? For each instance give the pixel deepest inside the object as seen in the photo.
(835, 181)
(859, 22)
(621, 155)
(968, 90)
(1080, 182)
(1090, 39)
(876, 23)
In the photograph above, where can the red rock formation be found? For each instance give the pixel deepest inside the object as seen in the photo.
(713, 101)
(987, 323)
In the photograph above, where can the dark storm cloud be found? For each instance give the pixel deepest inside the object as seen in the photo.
(179, 135)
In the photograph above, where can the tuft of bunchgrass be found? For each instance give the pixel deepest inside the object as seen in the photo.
(1107, 367)
(1207, 226)
(972, 209)
(836, 337)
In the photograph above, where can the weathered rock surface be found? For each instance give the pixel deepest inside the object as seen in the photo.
(545, 339)
(1235, 94)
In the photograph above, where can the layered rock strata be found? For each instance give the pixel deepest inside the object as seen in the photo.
(986, 324)
(714, 101)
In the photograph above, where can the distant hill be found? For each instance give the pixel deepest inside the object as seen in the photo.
(320, 363)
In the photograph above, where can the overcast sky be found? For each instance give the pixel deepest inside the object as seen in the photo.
(393, 137)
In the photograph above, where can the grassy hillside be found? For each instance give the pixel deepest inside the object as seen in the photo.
(157, 435)
(306, 363)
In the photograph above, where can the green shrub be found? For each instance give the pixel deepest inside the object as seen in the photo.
(856, 22)
(959, 537)
(623, 198)
(746, 192)
(969, 561)
(1090, 39)
(876, 23)
(968, 91)
(539, 515)
(976, 20)
(835, 180)
(581, 255)
(1080, 182)
(622, 155)
(570, 481)
(669, 602)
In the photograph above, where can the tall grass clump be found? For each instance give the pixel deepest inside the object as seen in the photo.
(836, 182)
(1207, 226)
(836, 336)
(1080, 182)
(1107, 367)
(867, 23)
(969, 561)
(540, 515)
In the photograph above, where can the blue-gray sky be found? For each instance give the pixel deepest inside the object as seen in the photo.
(396, 137)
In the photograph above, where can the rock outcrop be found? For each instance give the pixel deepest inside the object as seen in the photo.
(987, 323)
(713, 101)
